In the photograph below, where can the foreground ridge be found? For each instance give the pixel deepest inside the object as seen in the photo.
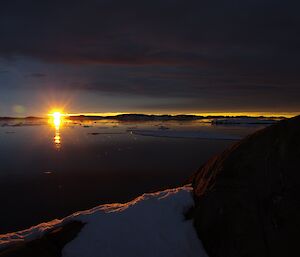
(151, 225)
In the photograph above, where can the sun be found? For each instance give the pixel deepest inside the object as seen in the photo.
(56, 115)
(56, 118)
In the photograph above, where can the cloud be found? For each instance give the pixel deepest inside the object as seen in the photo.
(208, 34)
(205, 53)
(37, 75)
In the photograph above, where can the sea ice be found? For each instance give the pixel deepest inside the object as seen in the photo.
(186, 134)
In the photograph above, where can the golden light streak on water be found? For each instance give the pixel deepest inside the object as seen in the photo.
(56, 119)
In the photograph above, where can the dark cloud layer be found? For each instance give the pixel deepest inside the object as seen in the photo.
(219, 33)
(230, 50)
(36, 75)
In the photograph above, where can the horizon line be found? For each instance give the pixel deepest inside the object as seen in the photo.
(203, 114)
(200, 114)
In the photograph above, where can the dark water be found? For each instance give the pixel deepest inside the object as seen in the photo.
(50, 171)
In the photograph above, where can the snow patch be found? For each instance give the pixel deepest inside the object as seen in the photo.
(151, 225)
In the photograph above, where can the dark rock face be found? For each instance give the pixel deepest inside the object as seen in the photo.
(248, 198)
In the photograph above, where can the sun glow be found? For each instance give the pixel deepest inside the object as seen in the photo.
(57, 119)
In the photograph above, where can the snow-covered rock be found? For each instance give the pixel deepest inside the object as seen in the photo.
(151, 225)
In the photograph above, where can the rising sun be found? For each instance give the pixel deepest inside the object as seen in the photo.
(56, 118)
(56, 115)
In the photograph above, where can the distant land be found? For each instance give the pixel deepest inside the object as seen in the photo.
(150, 117)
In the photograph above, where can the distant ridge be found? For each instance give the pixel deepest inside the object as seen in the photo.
(21, 118)
(145, 117)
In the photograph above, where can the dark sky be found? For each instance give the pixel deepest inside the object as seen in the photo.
(159, 56)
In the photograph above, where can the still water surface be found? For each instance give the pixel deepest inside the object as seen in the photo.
(51, 169)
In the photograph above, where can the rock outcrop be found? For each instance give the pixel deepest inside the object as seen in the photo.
(247, 199)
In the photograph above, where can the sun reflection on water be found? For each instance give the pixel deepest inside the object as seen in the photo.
(56, 120)
(57, 139)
